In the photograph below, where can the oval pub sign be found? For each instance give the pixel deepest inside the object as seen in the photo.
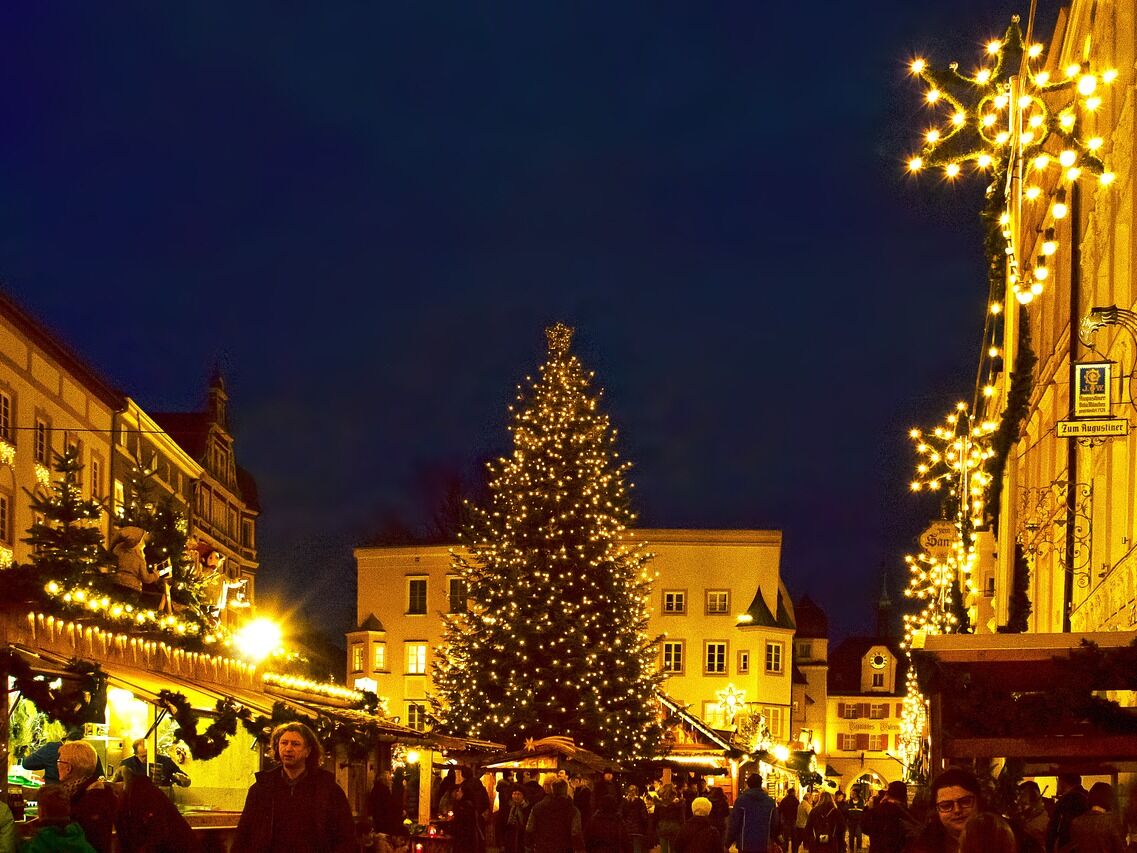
(938, 539)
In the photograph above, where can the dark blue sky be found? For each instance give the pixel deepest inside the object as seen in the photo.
(368, 212)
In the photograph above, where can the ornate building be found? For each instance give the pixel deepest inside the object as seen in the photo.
(718, 602)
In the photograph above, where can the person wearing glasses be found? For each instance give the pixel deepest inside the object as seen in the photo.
(93, 803)
(956, 797)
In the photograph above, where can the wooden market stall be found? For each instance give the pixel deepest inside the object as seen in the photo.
(1045, 703)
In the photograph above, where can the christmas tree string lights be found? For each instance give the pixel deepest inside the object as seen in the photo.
(554, 640)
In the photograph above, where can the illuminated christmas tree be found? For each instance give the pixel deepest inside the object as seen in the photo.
(66, 537)
(554, 641)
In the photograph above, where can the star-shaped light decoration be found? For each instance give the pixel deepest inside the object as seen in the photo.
(955, 454)
(732, 700)
(1008, 108)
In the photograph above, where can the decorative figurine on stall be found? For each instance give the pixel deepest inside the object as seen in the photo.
(129, 549)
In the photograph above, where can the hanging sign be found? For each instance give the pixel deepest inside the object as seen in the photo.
(1092, 389)
(1097, 428)
(938, 541)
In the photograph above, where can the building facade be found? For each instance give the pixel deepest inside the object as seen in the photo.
(1068, 503)
(718, 603)
(50, 400)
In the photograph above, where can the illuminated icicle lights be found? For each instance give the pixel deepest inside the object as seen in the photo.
(555, 639)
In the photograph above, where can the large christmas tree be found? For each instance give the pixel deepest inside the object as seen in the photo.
(554, 641)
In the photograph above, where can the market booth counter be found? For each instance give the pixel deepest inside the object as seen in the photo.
(143, 689)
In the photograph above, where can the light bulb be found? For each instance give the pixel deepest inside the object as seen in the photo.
(1067, 158)
(1042, 78)
(952, 170)
(1073, 70)
(932, 96)
(915, 164)
(917, 66)
(1106, 178)
(932, 136)
(1109, 75)
(994, 47)
(1086, 84)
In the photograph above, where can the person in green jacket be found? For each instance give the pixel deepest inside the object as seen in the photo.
(56, 833)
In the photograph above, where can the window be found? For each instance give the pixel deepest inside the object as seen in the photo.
(989, 588)
(673, 656)
(878, 742)
(416, 716)
(878, 712)
(718, 601)
(357, 657)
(774, 720)
(846, 742)
(5, 519)
(805, 651)
(878, 679)
(847, 710)
(457, 595)
(379, 657)
(42, 441)
(6, 417)
(674, 601)
(120, 498)
(714, 715)
(774, 657)
(416, 658)
(714, 658)
(416, 595)
(743, 662)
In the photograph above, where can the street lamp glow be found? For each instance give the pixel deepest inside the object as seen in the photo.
(258, 639)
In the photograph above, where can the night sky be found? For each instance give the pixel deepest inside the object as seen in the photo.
(367, 213)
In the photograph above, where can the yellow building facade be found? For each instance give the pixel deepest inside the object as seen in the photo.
(1069, 503)
(718, 603)
(49, 401)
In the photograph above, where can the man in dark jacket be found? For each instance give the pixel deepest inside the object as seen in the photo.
(888, 824)
(754, 821)
(1073, 801)
(147, 822)
(554, 823)
(296, 807)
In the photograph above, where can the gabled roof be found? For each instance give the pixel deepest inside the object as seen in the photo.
(760, 615)
(191, 431)
(371, 623)
(812, 623)
(719, 739)
(844, 676)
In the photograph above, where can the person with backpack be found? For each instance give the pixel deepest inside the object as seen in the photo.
(825, 828)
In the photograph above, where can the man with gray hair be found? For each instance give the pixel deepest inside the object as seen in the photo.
(554, 823)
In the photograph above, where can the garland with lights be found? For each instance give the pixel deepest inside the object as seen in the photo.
(555, 638)
(212, 742)
(1006, 111)
(69, 705)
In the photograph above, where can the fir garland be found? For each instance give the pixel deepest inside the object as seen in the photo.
(358, 741)
(212, 742)
(1014, 415)
(1020, 606)
(69, 705)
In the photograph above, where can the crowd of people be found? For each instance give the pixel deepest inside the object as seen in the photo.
(297, 807)
(559, 814)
